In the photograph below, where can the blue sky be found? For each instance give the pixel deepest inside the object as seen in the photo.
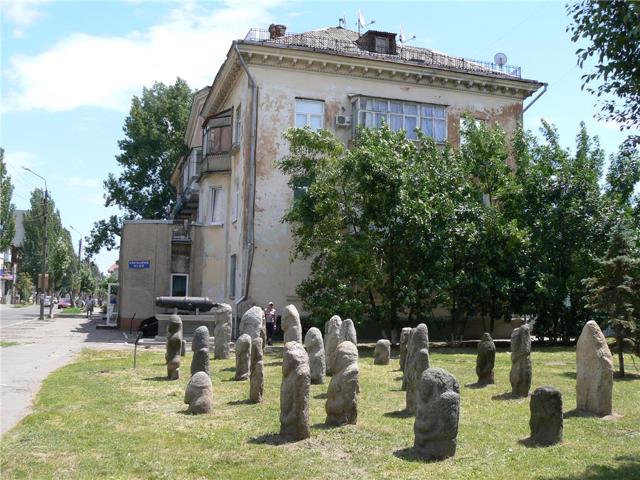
(69, 70)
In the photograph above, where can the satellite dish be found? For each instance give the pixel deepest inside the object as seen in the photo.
(500, 59)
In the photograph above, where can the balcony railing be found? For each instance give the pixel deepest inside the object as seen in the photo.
(220, 162)
(412, 55)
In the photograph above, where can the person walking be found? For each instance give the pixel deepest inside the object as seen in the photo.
(270, 318)
(89, 306)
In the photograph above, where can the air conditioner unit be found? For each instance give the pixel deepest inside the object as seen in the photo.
(343, 120)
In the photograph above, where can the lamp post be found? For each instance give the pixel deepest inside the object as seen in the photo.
(79, 254)
(45, 284)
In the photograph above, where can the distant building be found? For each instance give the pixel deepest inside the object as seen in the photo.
(10, 261)
(225, 239)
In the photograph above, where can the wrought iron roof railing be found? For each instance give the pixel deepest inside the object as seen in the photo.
(412, 55)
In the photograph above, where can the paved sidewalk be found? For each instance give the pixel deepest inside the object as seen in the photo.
(42, 347)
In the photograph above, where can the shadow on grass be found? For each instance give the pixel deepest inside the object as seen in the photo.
(269, 439)
(323, 426)
(478, 385)
(321, 396)
(506, 396)
(228, 369)
(571, 375)
(398, 378)
(398, 414)
(233, 379)
(409, 454)
(629, 467)
(158, 379)
(576, 413)
(530, 443)
(246, 401)
(274, 364)
(628, 377)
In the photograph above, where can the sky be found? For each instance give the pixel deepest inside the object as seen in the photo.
(68, 71)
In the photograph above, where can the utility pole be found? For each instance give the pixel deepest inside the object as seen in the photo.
(45, 283)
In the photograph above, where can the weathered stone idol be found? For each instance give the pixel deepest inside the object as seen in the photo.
(348, 332)
(253, 324)
(417, 362)
(382, 352)
(485, 360)
(404, 338)
(315, 350)
(200, 346)
(342, 394)
(294, 393)
(256, 380)
(291, 324)
(405, 371)
(520, 375)
(331, 340)
(222, 332)
(437, 414)
(243, 357)
(594, 372)
(546, 416)
(174, 347)
(199, 394)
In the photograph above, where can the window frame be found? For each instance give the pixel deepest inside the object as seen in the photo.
(173, 275)
(298, 101)
(216, 194)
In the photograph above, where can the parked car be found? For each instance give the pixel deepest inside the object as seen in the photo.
(64, 303)
(48, 300)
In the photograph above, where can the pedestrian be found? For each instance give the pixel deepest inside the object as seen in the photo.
(270, 318)
(89, 307)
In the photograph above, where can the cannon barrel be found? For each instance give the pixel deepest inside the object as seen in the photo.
(204, 304)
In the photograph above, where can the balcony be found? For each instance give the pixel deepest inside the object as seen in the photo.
(216, 162)
(180, 234)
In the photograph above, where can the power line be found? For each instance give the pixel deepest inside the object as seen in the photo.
(512, 29)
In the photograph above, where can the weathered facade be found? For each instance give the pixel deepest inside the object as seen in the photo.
(231, 196)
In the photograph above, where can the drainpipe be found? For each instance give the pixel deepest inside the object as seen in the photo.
(249, 242)
(536, 99)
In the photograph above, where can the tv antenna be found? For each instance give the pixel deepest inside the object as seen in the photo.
(403, 37)
(500, 59)
(342, 22)
(362, 23)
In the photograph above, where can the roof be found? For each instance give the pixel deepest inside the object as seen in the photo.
(342, 41)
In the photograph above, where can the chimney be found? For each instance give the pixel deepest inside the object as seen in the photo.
(276, 31)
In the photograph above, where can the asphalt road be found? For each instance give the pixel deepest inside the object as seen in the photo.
(10, 315)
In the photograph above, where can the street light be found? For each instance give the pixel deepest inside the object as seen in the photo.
(42, 286)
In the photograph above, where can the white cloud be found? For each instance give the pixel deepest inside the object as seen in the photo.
(22, 13)
(101, 71)
(18, 160)
(84, 183)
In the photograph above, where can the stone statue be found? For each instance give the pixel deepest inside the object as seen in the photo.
(294, 393)
(256, 380)
(485, 360)
(331, 340)
(417, 362)
(520, 376)
(382, 352)
(254, 324)
(200, 346)
(291, 324)
(174, 347)
(222, 332)
(243, 356)
(348, 332)
(199, 394)
(437, 414)
(315, 350)
(546, 416)
(404, 338)
(594, 372)
(342, 394)
(407, 360)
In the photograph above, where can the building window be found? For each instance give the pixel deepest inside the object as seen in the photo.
(216, 204)
(217, 134)
(232, 276)
(179, 284)
(382, 45)
(399, 115)
(237, 127)
(309, 113)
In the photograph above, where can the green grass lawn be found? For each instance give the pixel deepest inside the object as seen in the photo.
(99, 418)
(8, 344)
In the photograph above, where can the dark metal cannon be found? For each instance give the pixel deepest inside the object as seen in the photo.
(201, 304)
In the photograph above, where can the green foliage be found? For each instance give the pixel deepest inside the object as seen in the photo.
(24, 286)
(611, 28)
(153, 144)
(62, 263)
(7, 221)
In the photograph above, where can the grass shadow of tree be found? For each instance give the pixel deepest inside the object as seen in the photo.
(629, 467)
(398, 414)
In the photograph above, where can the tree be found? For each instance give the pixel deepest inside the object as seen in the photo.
(24, 285)
(611, 27)
(7, 209)
(613, 292)
(62, 262)
(153, 144)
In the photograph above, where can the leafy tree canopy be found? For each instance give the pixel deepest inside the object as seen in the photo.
(7, 209)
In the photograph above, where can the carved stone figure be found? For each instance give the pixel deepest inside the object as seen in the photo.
(437, 414)
(520, 376)
(315, 350)
(200, 346)
(404, 338)
(485, 360)
(382, 352)
(342, 394)
(294, 393)
(331, 340)
(243, 357)
(174, 347)
(222, 332)
(348, 332)
(407, 358)
(417, 362)
(594, 372)
(291, 324)
(199, 394)
(254, 324)
(546, 416)
(256, 380)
